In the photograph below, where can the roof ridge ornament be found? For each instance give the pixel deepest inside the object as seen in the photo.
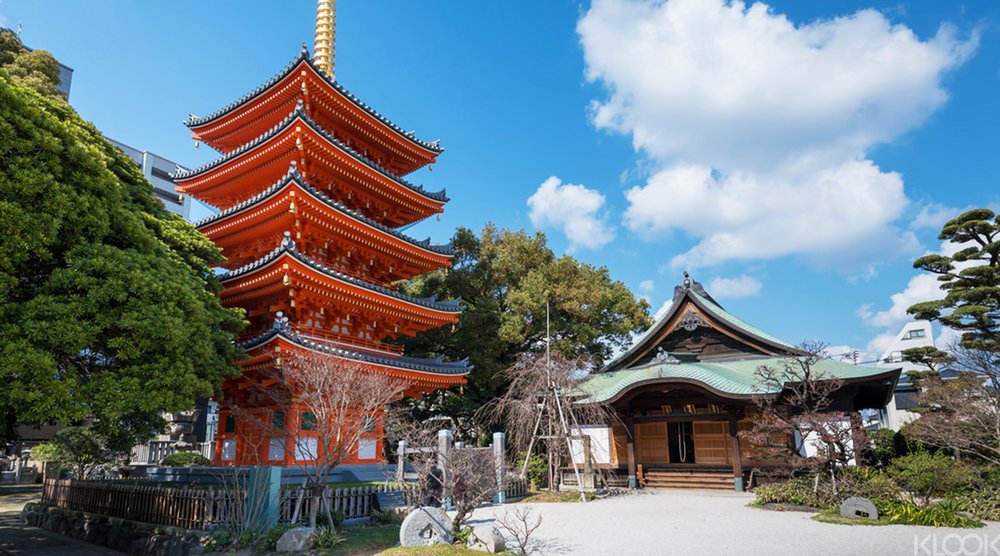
(665, 357)
(287, 242)
(281, 321)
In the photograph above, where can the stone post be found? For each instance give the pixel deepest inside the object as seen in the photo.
(444, 452)
(263, 501)
(588, 468)
(499, 457)
(401, 461)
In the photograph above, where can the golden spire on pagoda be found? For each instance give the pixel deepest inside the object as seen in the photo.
(326, 35)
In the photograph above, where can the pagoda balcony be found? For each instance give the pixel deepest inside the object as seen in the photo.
(325, 162)
(342, 341)
(335, 108)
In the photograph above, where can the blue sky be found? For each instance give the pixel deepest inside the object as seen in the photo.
(796, 156)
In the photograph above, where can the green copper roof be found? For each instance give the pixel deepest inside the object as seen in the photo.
(722, 314)
(730, 378)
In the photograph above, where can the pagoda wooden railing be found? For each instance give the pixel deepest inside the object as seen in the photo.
(350, 342)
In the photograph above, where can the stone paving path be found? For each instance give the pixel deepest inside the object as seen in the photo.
(691, 523)
(18, 539)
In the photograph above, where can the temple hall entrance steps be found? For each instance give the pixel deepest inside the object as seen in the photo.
(691, 478)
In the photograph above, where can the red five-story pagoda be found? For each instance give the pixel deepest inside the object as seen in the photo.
(312, 196)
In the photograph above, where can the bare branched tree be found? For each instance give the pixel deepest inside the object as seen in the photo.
(962, 414)
(340, 402)
(520, 523)
(795, 407)
(540, 409)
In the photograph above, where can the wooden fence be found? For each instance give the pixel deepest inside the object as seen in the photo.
(186, 507)
(202, 508)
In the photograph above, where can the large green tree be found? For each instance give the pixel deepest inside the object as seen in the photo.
(970, 278)
(108, 306)
(506, 278)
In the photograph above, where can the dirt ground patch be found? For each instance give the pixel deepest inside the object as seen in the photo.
(14, 497)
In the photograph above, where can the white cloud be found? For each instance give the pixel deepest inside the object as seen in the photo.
(574, 209)
(735, 287)
(757, 129)
(743, 87)
(647, 286)
(933, 216)
(922, 287)
(840, 214)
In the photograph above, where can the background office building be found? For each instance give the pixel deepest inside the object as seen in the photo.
(157, 170)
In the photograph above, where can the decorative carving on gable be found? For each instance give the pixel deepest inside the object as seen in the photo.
(690, 321)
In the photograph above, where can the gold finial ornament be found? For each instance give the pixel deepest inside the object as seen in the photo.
(326, 35)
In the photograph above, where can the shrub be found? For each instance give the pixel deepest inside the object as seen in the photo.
(45, 451)
(989, 477)
(462, 538)
(184, 459)
(887, 445)
(984, 504)
(866, 483)
(538, 471)
(927, 475)
(325, 537)
(904, 512)
(387, 517)
(798, 492)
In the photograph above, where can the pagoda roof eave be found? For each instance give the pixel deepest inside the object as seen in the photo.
(299, 114)
(436, 366)
(287, 247)
(293, 176)
(194, 123)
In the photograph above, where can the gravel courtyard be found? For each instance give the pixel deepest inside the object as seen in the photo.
(692, 523)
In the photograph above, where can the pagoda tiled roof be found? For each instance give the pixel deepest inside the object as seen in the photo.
(299, 114)
(193, 121)
(294, 176)
(288, 247)
(436, 365)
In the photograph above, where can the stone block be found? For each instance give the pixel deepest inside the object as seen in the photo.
(425, 526)
(486, 538)
(858, 507)
(295, 540)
